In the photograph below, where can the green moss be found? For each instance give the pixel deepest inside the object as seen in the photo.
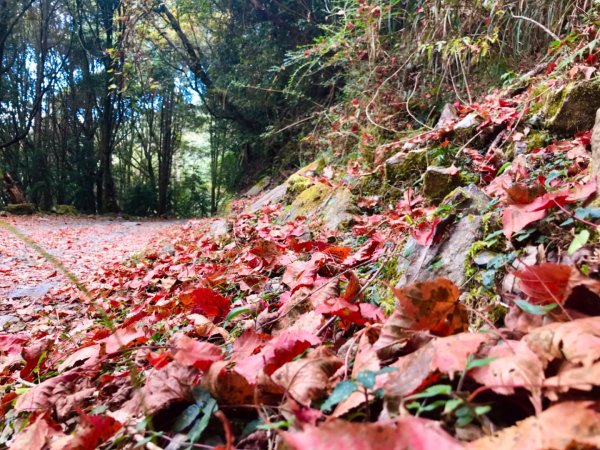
(538, 139)
(67, 210)
(20, 209)
(297, 183)
(407, 167)
(555, 101)
(309, 201)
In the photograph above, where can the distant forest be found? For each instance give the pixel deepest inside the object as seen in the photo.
(97, 96)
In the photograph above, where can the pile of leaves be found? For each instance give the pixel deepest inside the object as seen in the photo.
(252, 331)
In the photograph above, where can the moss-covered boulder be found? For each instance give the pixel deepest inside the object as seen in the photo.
(308, 202)
(439, 182)
(406, 166)
(334, 206)
(572, 108)
(66, 210)
(20, 209)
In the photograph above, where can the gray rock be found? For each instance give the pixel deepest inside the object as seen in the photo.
(168, 248)
(467, 200)
(466, 129)
(273, 196)
(6, 320)
(3, 214)
(21, 209)
(448, 114)
(338, 211)
(405, 165)
(219, 229)
(448, 257)
(33, 292)
(595, 163)
(470, 121)
(258, 187)
(437, 183)
(573, 107)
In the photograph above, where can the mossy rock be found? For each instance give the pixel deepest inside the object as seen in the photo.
(309, 201)
(297, 184)
(438, 183)
(20, 209)
(405, 167)
(572, 108)
(66, 210)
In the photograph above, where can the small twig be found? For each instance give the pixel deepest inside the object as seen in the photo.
(408, 106)
(535, 22)
(574, 217)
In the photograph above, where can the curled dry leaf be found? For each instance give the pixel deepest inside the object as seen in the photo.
(164, 386)
(401, 434)
(366, 359)
(37, 435)
(63, 388)
(307, 379)
(514, 365)
(275, 353)
(577, 342)
(569, 377)
(93, 430)
(228, 386)
(523, 193)
(567, 425)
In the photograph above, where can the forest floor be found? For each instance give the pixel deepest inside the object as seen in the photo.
(81, 244)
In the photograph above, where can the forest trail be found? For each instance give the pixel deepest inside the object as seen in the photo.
(82, 244)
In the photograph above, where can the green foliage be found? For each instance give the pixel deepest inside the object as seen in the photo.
(140, 200)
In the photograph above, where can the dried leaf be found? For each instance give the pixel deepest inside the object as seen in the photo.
(401, 434)
(567, 425)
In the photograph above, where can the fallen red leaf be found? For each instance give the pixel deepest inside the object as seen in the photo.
(207, 302)
(545, 283)
(191, 352)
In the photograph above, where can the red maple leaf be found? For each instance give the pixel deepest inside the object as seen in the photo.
(207, 302)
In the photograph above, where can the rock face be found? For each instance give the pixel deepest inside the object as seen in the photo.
(439, 182)
(258, 187)
(448, 257)
(273, 196)
(573, 107)
(595, 163)
(338, 210)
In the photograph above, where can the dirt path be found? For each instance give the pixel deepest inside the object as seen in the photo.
(82, 244)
